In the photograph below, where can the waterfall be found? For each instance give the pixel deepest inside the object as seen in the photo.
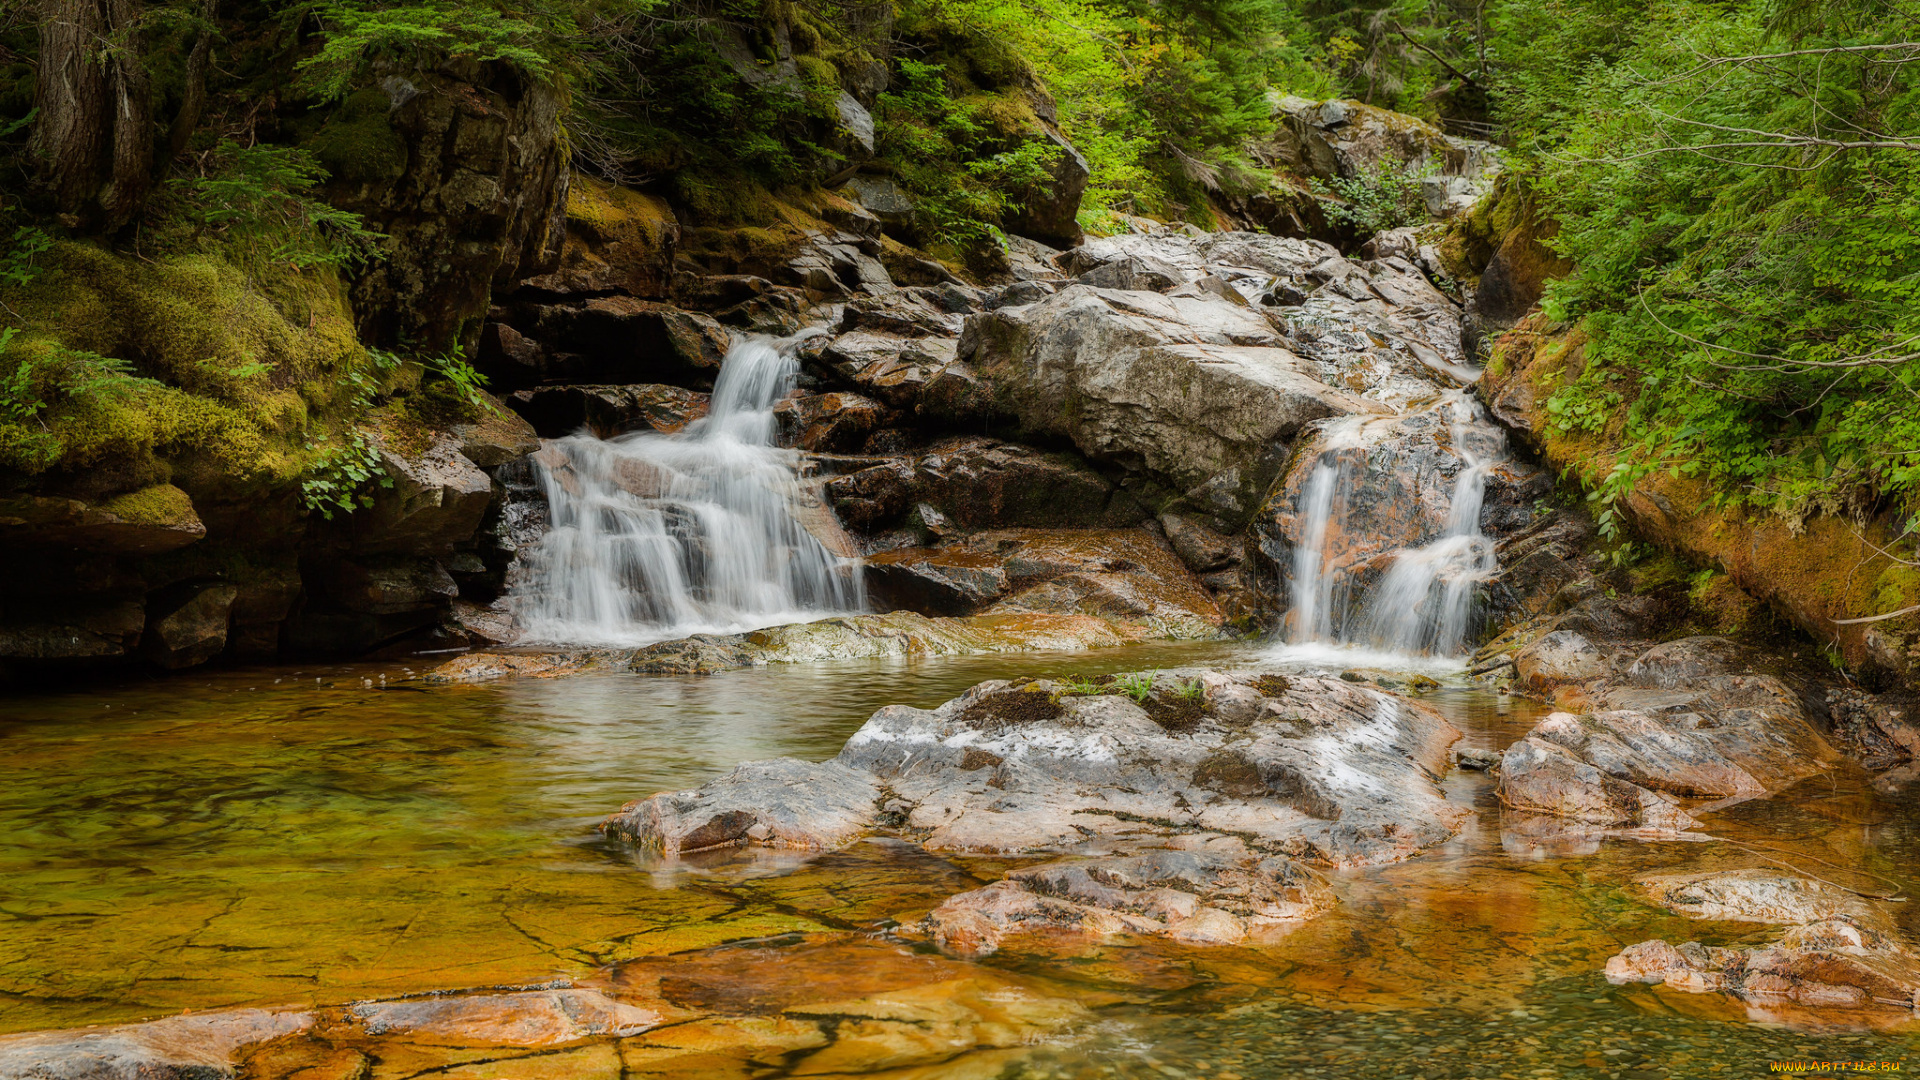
(1424, 602)
(658, 536)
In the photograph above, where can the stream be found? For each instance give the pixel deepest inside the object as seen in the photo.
(315, 835)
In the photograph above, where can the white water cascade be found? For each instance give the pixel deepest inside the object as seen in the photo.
(1424, 602)
(657, 536)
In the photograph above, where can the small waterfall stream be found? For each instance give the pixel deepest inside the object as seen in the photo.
(1424, 601)
(657, 536)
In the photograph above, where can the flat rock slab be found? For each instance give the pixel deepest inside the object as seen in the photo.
(1765, 895)
(1825, 965)
(528, 1018)
(177, 1048)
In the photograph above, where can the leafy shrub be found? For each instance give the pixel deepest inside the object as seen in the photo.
(418, 34)
(1388, 197)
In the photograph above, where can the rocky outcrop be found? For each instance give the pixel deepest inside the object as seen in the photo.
(599, 339)
(1048, 210)
(178, 1048)
(462, 170)
(607, 411)
(1841, 951)
(975, 483)
(1311, 768)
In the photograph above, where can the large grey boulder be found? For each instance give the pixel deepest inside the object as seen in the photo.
(780, 803)
(1187, 387)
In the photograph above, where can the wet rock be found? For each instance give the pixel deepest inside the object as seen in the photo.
(1765, 895)
(177, 1048)
(838, 264)
(188, 627)
(145, 522)
(1833, 964)
(1201, 548)
(981, 483)
(532, 1018)
(938, 581)
(782, 803)
(385, 586)
(1309, 768)
(485, 667)
(1207, 891)
(1559, 657)
(886, 367)
(607, 411)
(1539, 776)
(436, 500)
(1189, 388)
(1879, 731)
(71, 627)
(1689, 659)
(828, 423)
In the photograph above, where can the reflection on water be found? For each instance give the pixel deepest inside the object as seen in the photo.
(262, 838)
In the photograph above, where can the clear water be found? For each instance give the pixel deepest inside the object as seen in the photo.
(704, 530)
(236, 840)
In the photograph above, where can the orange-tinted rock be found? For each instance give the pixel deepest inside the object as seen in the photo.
(828, 423)
(533, 1018)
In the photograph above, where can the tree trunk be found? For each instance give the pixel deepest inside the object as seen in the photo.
(71, 93)
(194, 101)
(94, 140)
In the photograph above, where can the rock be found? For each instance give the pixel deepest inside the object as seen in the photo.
(607, 411)
(177, 1048)
(617, 240)
(982, 484)
(937, 581)
(1048, 211)
(1210, 891)
(392, 586)
(1478, 759)
(1328, 139)
(1030, 260)
(189, 627)
(1558, 658)
(1201, 548)
(1673, 664)
(837, 264)
(532, 1018)
(885, 367)
(828, 423)
(485, 667)
(1880, 731)
(499, 436)
(884, 198)
(145, 522)
(1825, 965)
(781, 803)
(72, 627)
(462, 171)
(1189, 388)
(1541, 777)
(1764, 895)
(436, 500)
(605, 339)
(1309, 768)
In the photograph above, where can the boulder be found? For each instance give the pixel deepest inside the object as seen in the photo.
(497, 437)
(1201, 891)
(782, 803)
(884, 198)
(937, 581)
(1312, 769)
(78, 627)
(1048, 211)
(885, 367)
(558, 411)
(1879, 731)
(188, 627)
(1538, 776)
(1187, 387)
(1764, 895)
(437, 498)
(1559, 658)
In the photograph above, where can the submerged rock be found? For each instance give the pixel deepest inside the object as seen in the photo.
(1839, 952)
(527, 1018)
(1208, 891)
(177, 1048)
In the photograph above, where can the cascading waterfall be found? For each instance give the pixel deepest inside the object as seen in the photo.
(1424, 601)
(656, 536)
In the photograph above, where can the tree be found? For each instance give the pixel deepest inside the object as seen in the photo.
(92, 142)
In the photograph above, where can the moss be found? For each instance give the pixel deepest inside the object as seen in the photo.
(1004, 116)
(358, 145)
(618, 214)
(161, 504)
(724, 200)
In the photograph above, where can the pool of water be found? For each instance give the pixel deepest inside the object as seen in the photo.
(319, 835)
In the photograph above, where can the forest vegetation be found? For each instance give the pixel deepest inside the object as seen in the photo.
(1733, 183)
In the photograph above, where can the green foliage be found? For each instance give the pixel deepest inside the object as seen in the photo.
(1190, 690)
(460, 375)
(417, 34)
(17, 265)
(1137, 685)
(338, 475)
(259, 201)
(1388, 197)
(1079, 686)
(1752, 288)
